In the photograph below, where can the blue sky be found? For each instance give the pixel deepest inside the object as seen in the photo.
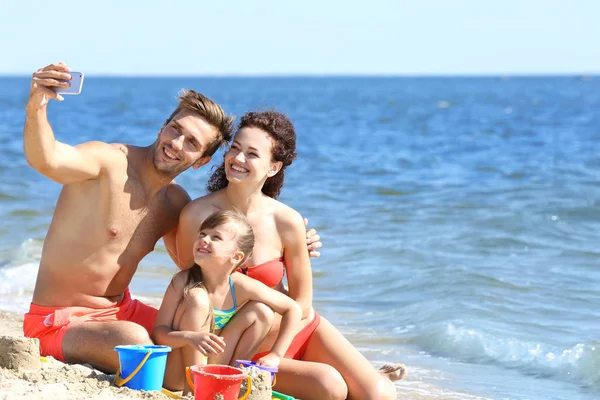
(277, 37)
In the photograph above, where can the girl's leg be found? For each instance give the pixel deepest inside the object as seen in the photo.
(191, 315)
(327, 345)
(310, 381)
(174, 373)
(245, 332)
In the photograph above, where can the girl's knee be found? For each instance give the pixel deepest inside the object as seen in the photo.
(263, 312)
(258, 312)
(195, 304)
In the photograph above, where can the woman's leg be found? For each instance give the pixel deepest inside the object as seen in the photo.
(327, 345)
(310, 381)
(244, 333)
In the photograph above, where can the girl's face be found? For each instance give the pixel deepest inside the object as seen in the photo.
(250, 156)
(217, 246)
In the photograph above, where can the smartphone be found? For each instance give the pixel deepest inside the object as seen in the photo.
(76, 84)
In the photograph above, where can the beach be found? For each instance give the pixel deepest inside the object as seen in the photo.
(57, 380)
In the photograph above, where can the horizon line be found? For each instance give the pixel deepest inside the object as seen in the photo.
(340, 75)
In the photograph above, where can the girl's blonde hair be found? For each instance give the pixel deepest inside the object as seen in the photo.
(244, 240)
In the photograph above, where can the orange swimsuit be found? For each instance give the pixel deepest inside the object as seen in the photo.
(49, 324)
(271, 273)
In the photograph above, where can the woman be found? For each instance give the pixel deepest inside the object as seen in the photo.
(321, 363)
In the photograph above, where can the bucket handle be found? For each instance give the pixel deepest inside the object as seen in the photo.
(244, 397)
(119, 381)
(189, 379)
(248, 389)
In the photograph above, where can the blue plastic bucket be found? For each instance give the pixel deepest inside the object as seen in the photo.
(151, 360)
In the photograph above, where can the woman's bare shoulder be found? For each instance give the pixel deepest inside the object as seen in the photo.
(205, 205)
(286, 217)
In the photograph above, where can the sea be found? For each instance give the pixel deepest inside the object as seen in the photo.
(460, 217)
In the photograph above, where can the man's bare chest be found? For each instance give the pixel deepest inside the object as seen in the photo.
(137, 223)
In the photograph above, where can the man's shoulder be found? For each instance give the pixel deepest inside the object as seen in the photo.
(104, 149)
(112, 157)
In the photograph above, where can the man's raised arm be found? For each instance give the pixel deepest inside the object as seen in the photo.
(58, 161)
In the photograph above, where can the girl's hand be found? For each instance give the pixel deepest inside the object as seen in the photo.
(271, 360)
(206, 342)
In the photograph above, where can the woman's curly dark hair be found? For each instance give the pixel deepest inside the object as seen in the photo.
(281, 130)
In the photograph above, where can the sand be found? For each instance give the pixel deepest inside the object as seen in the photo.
(57, 381)
(261, 384)
(24, 378)
(19, 353)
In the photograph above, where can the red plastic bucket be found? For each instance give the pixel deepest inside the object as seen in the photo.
(213, 380)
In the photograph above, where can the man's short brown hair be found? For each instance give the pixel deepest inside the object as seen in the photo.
(201, 105)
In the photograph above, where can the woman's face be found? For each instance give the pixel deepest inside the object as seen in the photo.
(250, 156)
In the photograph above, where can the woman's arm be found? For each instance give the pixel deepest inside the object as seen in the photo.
(249, 289)
(297, 263)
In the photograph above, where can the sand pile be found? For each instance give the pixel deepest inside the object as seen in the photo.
(261, 384)
(18, 353)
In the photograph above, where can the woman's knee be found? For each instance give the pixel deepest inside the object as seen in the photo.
(382, 389)
(331, 384)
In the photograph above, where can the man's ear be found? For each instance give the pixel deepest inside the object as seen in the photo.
(201, 161)
(275, 168)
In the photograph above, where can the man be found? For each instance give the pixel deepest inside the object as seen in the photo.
(117, 201)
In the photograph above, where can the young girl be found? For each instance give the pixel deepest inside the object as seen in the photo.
(200, 301)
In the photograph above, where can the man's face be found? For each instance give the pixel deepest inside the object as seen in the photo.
(181, 143)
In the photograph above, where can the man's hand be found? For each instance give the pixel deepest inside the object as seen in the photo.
(313, 241)
(44, 81)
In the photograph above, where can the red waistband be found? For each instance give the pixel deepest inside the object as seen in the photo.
(44, 310)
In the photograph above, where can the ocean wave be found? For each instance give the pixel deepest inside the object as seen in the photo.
(18, 272)
(16, 286)
(578, 363)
